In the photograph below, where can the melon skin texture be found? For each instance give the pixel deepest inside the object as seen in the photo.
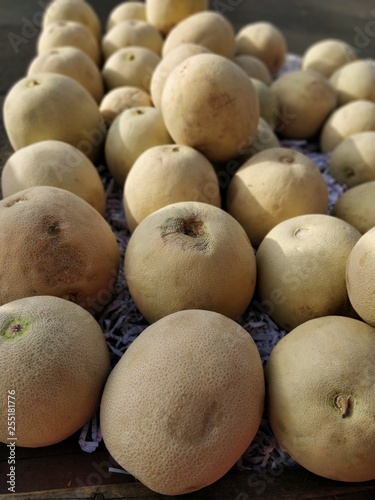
(56, 164)
(54, 361)
(184, 402)
(321, 391)
(190, 255)
(48, 106)
(73, 10)
(210, 29)
(210, 104)
(165, 14)
(72, 62)
(54, 243)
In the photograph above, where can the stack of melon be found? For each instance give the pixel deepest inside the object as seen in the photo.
(175, 128)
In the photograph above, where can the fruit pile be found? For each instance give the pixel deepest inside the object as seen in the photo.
(205, 203)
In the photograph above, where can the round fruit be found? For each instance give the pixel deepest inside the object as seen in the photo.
(131, 32)
(264, 41)
(69, 33)
(273, 186)
(360, 277)
(305, 99)
(73, 10)
(72, 62)
(130, 66)
(133, 132)
(327, 56)
(263, 139)
(168, 174)
(268, 103)
(184, 402)
(354, 81)
(120, 99)
(357, 206)
(167, 65)
(321, 392)
(210, 29)
(54, 363)
(301, 269)
(48, 106)
(126, 11)
(254, 68)
(190, 255)
(166, 14)
(54, 243)
(350, 119)
(353, 160)
(204, 97)
(56, 164)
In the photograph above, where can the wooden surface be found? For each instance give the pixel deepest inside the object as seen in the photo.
(63, 470)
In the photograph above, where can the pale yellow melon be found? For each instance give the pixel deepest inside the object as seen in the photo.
(360, 277)
(163, 175)
(132, 132)
(305, 99)
(210, 29)
(357, 206)
(301, 269)
(125, 11)
(167, 65)
(352, 118)
(120, 99)
(265, 41)
(69, 33)
(49, 106)
(328, 55)
(56, 164)
(130, 66)
(272, 186)
(206, 96)
(131, 32)
(166, 14)
(73, 10)
(72, 62)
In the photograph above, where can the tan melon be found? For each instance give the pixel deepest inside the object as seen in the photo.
(54, 362)
(321, 392)
(182, 251)
(191, 404)
(54, 243)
